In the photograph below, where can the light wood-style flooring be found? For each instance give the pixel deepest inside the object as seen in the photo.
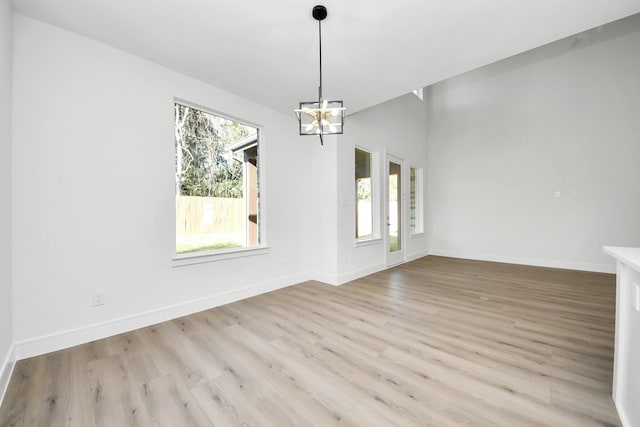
(435, 342)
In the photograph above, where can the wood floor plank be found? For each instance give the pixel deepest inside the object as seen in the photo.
(247, 363)
(434, 342)
(226, 404)
(178, 355)
(115, 398)
(23, 387)
(168, 403)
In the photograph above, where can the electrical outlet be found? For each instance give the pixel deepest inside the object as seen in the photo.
(98, 298)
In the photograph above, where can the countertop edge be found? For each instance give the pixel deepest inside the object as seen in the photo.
(625, 255)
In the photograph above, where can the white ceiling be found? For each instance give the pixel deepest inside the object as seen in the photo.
(372, 50)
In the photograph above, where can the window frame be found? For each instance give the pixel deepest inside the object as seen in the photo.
(374, 159)
(418, 226)
(199, 257)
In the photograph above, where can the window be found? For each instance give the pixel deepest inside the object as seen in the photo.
(364, 195)
(415, 193)
(216, 182)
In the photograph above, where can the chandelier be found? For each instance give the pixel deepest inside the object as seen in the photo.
(321, 117)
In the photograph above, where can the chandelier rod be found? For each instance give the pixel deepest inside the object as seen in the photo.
(320, 44)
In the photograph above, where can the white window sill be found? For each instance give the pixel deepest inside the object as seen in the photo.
(180, 260)
(368, 242)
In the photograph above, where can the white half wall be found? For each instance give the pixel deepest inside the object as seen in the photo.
(93, 202)
(6, 310)
(534, 159)
(626, 370)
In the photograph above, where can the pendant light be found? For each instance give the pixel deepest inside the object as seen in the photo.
(321, 117)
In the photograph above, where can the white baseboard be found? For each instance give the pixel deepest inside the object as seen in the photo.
(622, 414)
(343, 278)
(69, 338)
(356, 274)
(568, 265)
(6, 369)
(417, 255)
(329, 279)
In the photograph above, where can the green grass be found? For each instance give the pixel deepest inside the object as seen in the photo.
(216, 246)
(393, 243)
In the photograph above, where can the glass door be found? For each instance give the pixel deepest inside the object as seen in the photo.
(394, 211)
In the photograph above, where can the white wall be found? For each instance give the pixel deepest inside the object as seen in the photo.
(6, 46)
(323, 214)
(504, 138)
(93, 202)
(396, 127)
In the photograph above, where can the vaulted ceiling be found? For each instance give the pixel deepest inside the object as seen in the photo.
(373, 51)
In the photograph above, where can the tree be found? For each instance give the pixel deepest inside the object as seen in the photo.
(204, 166)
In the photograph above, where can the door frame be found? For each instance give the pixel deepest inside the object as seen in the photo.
(399, 256)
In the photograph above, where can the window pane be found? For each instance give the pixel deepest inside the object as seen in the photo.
(395, 207)
(364, 209)
(412, 200)
(416, 215)
(217, 192)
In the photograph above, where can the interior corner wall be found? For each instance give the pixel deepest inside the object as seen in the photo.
(395, 127)
(323, 217)
(93, 201)
(6, 310)
(535, 159)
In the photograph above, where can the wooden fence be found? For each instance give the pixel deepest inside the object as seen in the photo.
(200, 215)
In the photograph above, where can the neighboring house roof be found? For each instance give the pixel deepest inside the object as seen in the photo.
(244, 143)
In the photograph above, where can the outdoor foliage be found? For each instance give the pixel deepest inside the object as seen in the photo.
(204, 167)
(364, 188)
